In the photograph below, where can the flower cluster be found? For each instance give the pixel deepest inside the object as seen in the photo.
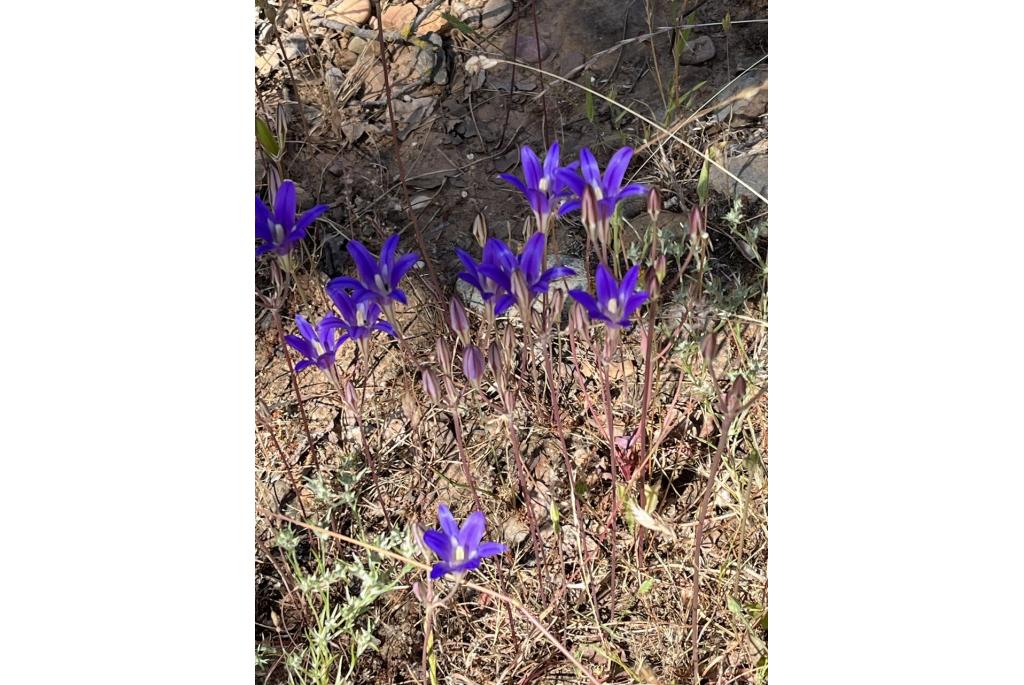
(493, 276)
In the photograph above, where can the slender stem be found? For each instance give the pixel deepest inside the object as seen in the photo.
(295, 387)
(609, 350)
(530, 516)
(287, 467)
(467, 472)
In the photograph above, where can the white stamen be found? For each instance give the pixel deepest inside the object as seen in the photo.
(380, 283)
(597, 191)
(278, 232)
(613, 305)
(460, 553)
(544, 184)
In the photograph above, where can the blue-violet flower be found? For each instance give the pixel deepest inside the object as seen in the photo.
(279, 229)
(359, 318)
(378, 279)
(615, 303)
(459, 550)
(318, 346)
(529, 262)
(608, 190)
(542, 185)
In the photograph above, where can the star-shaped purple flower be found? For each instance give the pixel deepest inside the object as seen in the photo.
(378, 279)
(541, 184)
(359, 318)
(318, 346)
(459, 550)
(529, 262)
(279, 230)
(608, 190)
(615, 303)
(495, 253)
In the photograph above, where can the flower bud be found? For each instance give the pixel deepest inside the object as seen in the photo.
(444, 355)
(458, 320)
(521, 291)
(578, 318)
(350, 396)
(661, 268)
(480, 229)
(557, 302)
(473, 364)
(589, 211)
(654, 204)
(495, 359)
(697, 227)
(734, 398)
(709, 348)
(430, 385)
(508, 343)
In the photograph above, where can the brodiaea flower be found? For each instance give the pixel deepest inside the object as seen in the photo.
(378, 279)
(278, 229)
(608, 190)
(359, 318)
(541, 184)
(318, 346)
(615, 303)
(529, 262)
(459, 550)
(495, 253)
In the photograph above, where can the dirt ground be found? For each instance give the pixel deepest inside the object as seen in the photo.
(458, 128)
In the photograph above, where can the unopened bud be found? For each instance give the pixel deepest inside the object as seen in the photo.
(473, 364)
(661, 268)
(697, 224)
(449, 390)
(734, 398)
(350, 396)
(508, 343)
(458, 320)
(494, 358)
(521, 291)
(480, 229)
(444, 355)
(578, 318)
(709, 348)
(430, 385)
(654, 204)
(557, 301)
(589, 211)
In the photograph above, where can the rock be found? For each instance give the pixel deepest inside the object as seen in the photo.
(751, 167)
(697, 50)
(412, 66)
(528, 49)
(396, 18)
(494, 12)
(353, 12)
(295, 45)
(346, 59)
(751, 98)
(468, 15)
(335, 79)
(357, 44)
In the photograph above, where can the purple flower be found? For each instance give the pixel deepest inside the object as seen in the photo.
(278, 229)
(317, 346)
(496, 254)
(529, 262)
(608, 190)
(459, 550)
(359, 318)
(378, 279)
(615, 303)
(541, 184)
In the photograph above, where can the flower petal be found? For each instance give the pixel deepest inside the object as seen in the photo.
(439, 570)
(466, 259)
(631, 190)
(606, 286)
(387, 253)
(447, 521)
(284, 207)
(489, 549)
(439, 543)
(503, 304)
(509, 178)
(398, 295)
(305, 328)
(468, 565)
(633, 303)
(499, 276)
(628, 284)
(531, 166)
(403, 264)
(573, 180)
(551, 161)
(588, 165)
(365, 263)
(588, 302)
(304, 347)
(570, 206)
(262, 217)
(530, 259)
(310, 216)
(616, 170)
(302, 365)
(472, 531)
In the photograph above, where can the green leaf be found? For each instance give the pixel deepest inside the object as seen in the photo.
(734, 606)
(646, 586)
(702, 183)
(726, 23)
(266, 139)
(459, 24)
